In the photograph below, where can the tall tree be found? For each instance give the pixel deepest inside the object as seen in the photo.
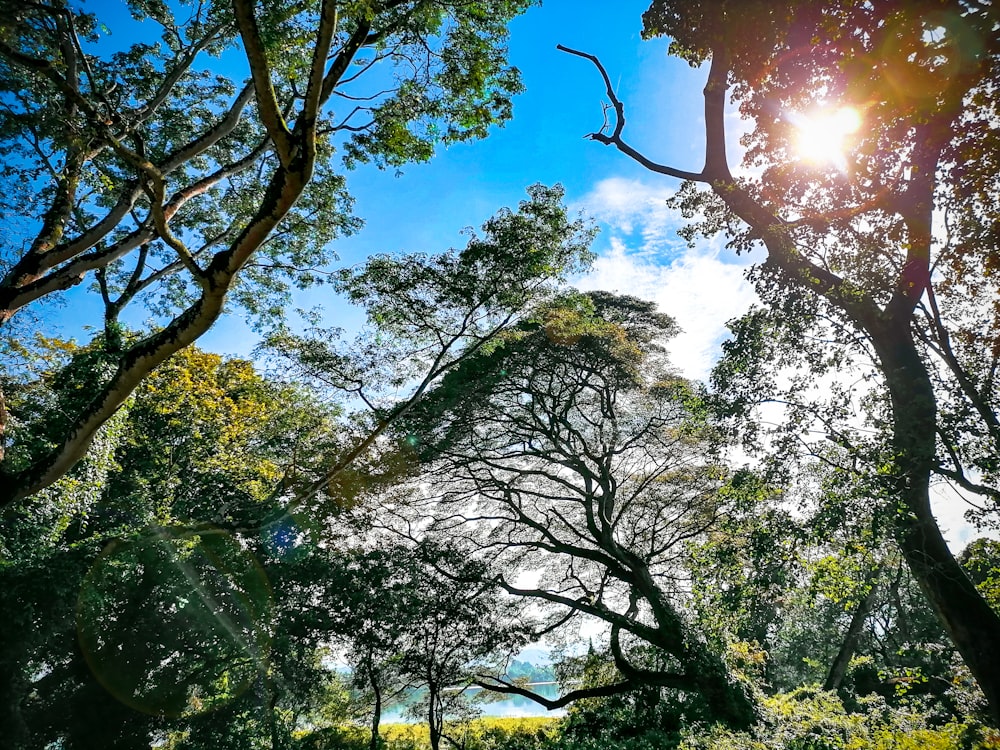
(162, 181)
(209, 443)
(570, 450)
(406, 625)
(426, 315)
(893, 240)
(131, 603)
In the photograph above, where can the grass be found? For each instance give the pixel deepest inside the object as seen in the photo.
(417, 734)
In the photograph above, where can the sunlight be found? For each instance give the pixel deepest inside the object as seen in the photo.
(822, 137)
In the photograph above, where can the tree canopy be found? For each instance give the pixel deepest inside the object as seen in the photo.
(570, 451)
(888, 255)
(201, 551)
(152, 173)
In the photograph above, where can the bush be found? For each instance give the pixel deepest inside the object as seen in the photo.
(810, 719)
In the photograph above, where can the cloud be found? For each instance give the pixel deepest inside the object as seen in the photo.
(635, 211)
(702, 288)
(645, 258)
(949, 506)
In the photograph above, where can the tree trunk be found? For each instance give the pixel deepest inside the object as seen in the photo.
(377, 712)
(433, 718)
(970, 622)
(272, 715)
(838, 670)
(728, 699)
(12, 690)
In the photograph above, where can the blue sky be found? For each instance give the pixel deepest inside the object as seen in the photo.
(425, 208)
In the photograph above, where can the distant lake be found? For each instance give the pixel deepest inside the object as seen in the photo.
(512, 706)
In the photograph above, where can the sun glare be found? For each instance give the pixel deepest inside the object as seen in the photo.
(822, 137)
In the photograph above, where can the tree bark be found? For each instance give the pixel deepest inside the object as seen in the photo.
(838, 670)
(434, 723)
(377, 710)
(969, 620)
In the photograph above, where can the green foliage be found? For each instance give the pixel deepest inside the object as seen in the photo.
(809, 719)
(144, 168)
(879, 333)
(527, 672)
(336, 738)
(175, 622)
(745, 564)
(131, 604)
(486, 733)
(981, 559)
(208, 442)
(595, 465)
(426, 315)
(417, 618)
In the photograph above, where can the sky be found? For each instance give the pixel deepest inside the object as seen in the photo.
(424, 208)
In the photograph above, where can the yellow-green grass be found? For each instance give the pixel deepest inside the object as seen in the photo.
(418, 734)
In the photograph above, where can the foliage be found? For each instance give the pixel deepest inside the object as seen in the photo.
(147, 170)
(808, 719)
(570, 453)
(527, 672)
(981, 558)
(485, 733)
(113, 581)
(507, 459)
(877, 280)
(426, 314)
(209, 449)
(407, 626)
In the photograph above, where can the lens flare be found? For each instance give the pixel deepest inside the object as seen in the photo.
(824, 136)
(176, 622)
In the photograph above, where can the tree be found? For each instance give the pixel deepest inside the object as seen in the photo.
(461, 628)
(896, 250)
(127, 598)
(371, 605)
(208, 444)
(407, 626)
(153, 175)
(570, 451)
(981, 558)
(426, 315)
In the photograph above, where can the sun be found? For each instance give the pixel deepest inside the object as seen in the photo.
(823, 136)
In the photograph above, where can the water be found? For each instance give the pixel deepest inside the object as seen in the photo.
(512, 706)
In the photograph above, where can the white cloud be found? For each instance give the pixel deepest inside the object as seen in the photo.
(645, 258)
(636, 210)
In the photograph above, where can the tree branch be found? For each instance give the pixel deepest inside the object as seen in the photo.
(615, 138)
(260, 71)
(488, 682)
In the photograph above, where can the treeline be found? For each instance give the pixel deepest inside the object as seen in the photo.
(195, 579)
(525, 671)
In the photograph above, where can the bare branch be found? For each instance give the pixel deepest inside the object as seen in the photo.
(489, 682)
(615, 138)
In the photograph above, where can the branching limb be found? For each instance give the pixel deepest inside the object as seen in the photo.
(343, 60)
(944, 350)
(489, 682)
(183, 64)
(260, 71)
(615, 139)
